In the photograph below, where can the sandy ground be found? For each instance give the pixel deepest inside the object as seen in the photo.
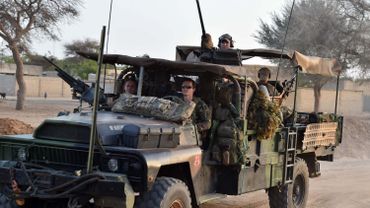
(35, 109)
(344, 183)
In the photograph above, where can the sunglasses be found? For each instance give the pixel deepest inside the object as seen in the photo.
(225, 41)
(186, 87)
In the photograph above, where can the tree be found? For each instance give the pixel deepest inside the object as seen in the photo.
(77, 65)
(23, 19)
(325, 28)
(87, 45)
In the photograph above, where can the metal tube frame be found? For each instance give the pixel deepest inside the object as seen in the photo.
(90, 158)
(295, 96)
(336, 95)
(140, 85)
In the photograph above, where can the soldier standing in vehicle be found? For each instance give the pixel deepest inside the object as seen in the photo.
(264, 74)
(225, 41)
(201, 115)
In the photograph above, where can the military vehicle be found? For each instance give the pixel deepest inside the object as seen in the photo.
(148, 152)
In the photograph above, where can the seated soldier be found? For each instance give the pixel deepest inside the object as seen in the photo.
(130, 86)
(264, 74)
(201, 115)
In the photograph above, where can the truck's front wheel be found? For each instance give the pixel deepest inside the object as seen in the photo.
(293, 195)
(166, 193)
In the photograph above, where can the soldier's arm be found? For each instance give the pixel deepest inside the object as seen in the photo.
(204, 115)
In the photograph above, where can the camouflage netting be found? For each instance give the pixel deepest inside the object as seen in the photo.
(11, 126)
(154, 107)
(264, 116)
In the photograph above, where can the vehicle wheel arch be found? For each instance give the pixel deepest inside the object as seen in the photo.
(310, 159)
(286, 196)
(182, 172)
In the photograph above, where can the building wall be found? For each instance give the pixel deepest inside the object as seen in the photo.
(366, 103)
(7, 84)
(27, 69)
(52, 86)
(349, 101)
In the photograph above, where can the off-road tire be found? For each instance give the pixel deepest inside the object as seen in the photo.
(293, 195)
(6, 202)
(166, 193)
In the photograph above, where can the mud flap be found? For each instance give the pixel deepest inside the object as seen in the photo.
(129, 192)
(126, 201)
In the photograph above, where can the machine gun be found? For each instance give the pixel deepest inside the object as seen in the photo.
(86, 93)
(287, 86)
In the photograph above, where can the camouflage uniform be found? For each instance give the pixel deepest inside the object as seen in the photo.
(201, 115)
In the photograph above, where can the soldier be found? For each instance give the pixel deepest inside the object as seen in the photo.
(272, 92)
(206, 46)
(201, 115)
(225, 41)
(264, 74)
(130, 86)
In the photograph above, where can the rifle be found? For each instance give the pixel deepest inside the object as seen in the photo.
(287, 86)
(86, 92)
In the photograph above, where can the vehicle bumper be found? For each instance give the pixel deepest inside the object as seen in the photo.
(53, 184)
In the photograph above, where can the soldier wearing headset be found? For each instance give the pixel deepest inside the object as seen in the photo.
(264, 75)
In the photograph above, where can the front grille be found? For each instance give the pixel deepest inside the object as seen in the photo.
(58, 156)
(8, 151)
(65, 132)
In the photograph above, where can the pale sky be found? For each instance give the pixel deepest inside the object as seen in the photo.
(156, 27)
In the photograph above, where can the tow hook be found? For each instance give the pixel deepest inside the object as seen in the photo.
(15, 187)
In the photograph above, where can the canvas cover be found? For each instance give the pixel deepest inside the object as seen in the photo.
(154, 107)
(317, 65)
(308, 64)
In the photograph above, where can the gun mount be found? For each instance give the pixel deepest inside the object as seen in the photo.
(80, 89)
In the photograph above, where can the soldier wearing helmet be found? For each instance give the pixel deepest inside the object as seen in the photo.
(225, 41)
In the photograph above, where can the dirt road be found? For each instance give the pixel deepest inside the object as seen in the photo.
(344, 183)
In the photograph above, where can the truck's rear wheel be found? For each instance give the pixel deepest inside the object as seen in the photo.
(166, 193)
(293, 195)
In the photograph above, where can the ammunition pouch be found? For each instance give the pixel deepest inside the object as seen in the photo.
(226, 148)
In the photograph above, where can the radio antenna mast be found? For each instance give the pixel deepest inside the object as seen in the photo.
(107, 42)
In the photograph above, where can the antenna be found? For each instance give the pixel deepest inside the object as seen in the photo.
(107, 44)
(93, 133)
(282, 48)
(108, 29)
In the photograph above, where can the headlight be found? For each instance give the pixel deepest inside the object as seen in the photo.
(113, 165)
(22, 154)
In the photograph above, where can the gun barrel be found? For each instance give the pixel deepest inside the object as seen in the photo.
(76, 84)
(201, 18)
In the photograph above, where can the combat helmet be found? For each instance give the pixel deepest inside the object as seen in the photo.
(227, 37)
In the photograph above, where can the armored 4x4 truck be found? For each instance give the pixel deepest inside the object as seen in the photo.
(149, 153)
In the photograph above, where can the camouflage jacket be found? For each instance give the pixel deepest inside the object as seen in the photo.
(201, 115)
